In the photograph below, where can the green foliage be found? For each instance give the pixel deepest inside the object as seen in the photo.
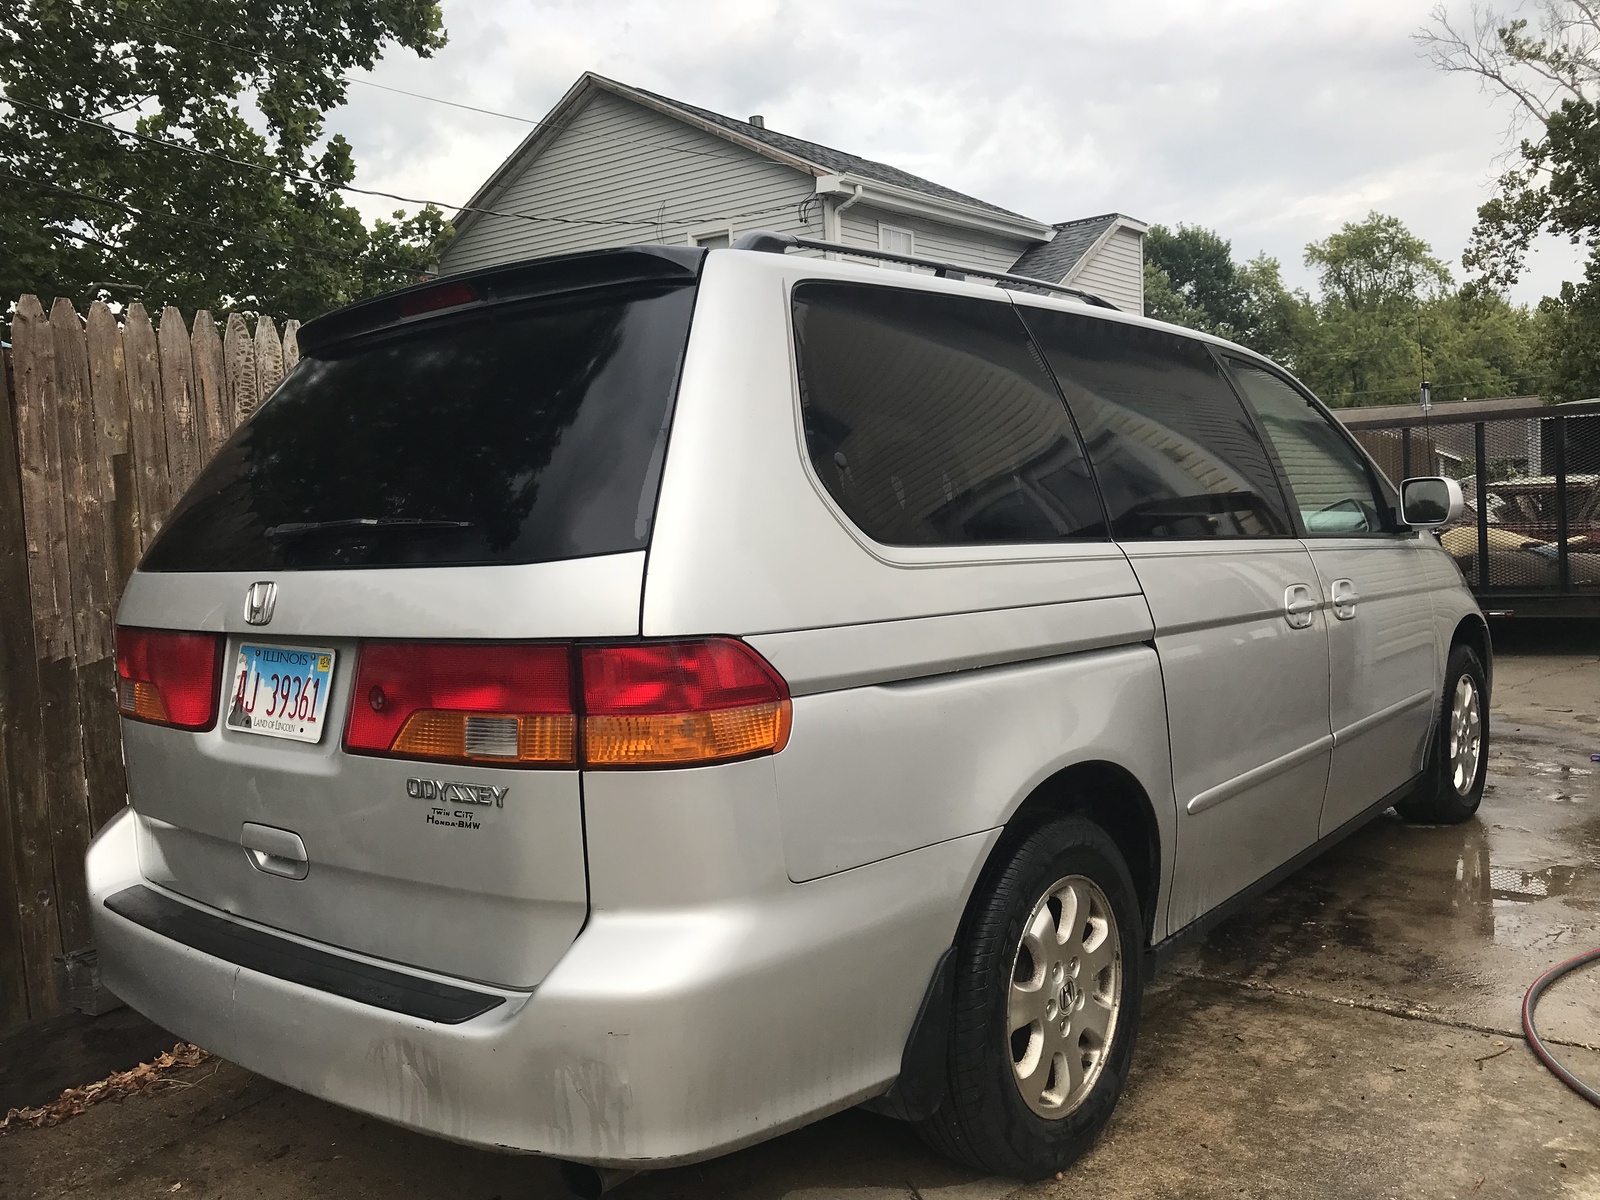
(1567, 332)
(1376, 266)
(1198, 266)
(255, 219)
(1191, 279)
(1386, 315)
(1549, 71)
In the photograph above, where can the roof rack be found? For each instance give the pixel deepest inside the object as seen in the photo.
(767, 242)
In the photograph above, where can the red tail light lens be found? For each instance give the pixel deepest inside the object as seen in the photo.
(465, 702)
(168, 678)
(643, 705)
(680, 703)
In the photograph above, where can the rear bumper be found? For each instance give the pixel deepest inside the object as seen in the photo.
(661, 1037)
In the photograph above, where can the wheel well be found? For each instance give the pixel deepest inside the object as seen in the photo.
(1474, 632)
(1114, 800)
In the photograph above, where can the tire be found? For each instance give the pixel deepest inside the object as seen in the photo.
(1452, 784)
(984, 1118)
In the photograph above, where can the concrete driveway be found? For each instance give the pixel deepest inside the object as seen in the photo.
(1355, 1034)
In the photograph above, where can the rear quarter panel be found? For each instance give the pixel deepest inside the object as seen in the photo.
(934, 688)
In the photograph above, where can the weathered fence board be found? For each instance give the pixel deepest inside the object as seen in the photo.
(20, 938)
(269, 360)
(146, 423)
(239, 353)
(210, 384)
(103, 424)
(108, 383)
(177, 398)
(44, 520)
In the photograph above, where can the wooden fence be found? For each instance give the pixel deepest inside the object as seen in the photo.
(105, 422)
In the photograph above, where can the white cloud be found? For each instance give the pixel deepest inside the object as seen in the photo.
(1272, 121)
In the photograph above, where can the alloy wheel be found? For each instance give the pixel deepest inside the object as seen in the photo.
(1466, 735)
(1066, 989)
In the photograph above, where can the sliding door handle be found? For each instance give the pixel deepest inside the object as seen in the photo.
(1299, 606)
(1345, 599)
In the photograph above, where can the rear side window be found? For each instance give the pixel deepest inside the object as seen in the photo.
(520, 434)
(931, 421)
(1175, 452)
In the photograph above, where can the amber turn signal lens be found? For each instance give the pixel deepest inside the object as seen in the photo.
(140, 700)
(659, 704)
(684, 738)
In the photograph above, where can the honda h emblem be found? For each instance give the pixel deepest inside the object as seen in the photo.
(259, 599)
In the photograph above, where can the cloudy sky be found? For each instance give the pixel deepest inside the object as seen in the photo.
(1271, 121)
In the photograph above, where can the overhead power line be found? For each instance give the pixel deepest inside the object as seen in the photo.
(488, 112)
(278, 172)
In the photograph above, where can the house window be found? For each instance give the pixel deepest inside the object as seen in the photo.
(897, 241)
(714, 241)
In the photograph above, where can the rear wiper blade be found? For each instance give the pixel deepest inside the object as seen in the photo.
(294, 528)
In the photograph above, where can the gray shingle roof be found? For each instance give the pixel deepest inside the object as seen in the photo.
(834, 161)
(1053, 259)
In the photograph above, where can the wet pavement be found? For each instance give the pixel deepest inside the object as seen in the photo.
(1355, 1033)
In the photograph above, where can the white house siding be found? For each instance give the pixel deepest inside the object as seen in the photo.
(1116, 271)
(617, 160)
(965, 247)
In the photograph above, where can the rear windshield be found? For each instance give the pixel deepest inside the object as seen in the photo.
(521, 434)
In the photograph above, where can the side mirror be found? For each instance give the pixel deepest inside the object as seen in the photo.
(1430, 501)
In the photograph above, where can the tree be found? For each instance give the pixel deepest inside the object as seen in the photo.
(1550, 74)
(220, 189)
(1198, 263)
(1387, 317)
(1191, 279)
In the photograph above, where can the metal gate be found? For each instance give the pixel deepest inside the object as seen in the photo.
(1529, 540)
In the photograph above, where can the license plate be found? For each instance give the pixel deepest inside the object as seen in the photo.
(280, 691)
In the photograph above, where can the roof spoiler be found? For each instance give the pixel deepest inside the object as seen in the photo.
(558, 275)
(766, 242)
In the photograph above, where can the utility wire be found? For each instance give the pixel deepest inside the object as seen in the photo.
(489, 112)
(303, 179)
(176, 218)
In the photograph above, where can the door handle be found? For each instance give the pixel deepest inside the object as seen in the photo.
(1299, 606)
(275, 851)
(1345, 599)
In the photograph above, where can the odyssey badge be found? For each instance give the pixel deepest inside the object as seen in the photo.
(447, 792)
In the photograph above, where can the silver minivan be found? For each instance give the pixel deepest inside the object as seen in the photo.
(624, 706)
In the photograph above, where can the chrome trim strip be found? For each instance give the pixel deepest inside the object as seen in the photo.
(1212, 797)
(1354, 730)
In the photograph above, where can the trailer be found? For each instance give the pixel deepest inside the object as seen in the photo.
(1528, 542)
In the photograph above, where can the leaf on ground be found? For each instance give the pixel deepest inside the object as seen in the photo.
(78, 1100)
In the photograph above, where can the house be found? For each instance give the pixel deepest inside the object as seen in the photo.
(613, 164)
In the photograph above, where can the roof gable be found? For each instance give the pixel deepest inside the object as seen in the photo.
(797, 153)
(1056, 259)
(824, 160)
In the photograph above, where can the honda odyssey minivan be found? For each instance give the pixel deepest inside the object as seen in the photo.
(623, 706)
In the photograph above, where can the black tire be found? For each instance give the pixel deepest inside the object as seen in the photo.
(1438, 799)
(983, 1118)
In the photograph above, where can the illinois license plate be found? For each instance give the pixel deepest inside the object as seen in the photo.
(280, 691)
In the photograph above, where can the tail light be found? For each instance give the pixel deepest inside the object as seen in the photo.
(466, 702)
(168, 678)
(680, 703)
(641, 705)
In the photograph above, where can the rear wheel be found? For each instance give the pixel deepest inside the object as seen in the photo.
(1452, 785)
(1047, 992)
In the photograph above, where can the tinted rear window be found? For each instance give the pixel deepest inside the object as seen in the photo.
(931, 421)
(520, 434)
